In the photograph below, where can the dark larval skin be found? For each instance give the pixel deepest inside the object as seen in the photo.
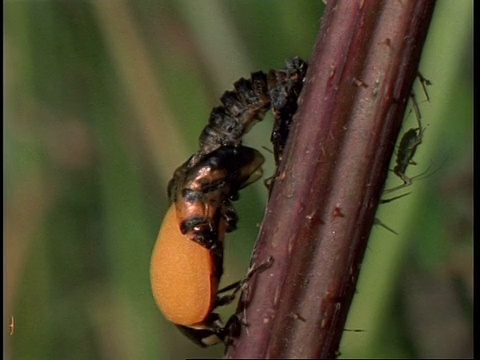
(205, 185)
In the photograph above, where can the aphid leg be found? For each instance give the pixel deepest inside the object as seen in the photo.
(425, 82)
(385, 201)
(377, 221)
(409, 181)
(416, 108)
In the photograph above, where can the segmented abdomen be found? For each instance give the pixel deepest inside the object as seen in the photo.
(203, 199)
(249, 102)
(241, 108)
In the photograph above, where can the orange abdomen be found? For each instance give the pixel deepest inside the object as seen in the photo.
(182, 274)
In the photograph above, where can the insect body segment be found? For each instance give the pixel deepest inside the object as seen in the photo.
(187, 260)
(412, 138)
(184, 277)
(241, 108)
(203, 194)
(249, 102)
(406, 150)
(205, 184)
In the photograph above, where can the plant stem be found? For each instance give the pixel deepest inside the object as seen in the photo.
(323, 201)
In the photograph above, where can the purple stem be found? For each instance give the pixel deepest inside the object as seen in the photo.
(323, 202)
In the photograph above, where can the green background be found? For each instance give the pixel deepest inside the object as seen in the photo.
(104, 99)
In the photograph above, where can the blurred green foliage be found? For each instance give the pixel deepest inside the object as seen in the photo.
(104, 99)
